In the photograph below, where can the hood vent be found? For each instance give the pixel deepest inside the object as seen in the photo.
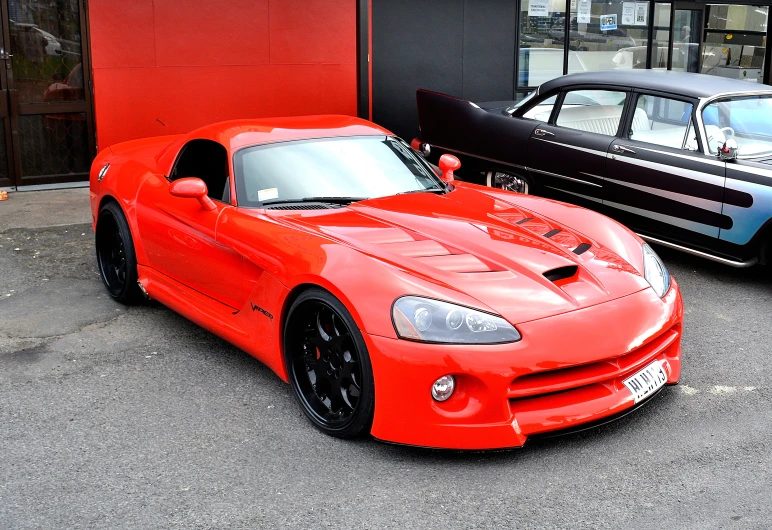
(561, 273)
(581, 249)
(554, 232)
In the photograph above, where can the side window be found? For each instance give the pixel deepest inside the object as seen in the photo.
(596, 111)
(208, 161)
(663, 121)
(542, 110)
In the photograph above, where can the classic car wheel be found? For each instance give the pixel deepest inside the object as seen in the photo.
(115, 255)
(507, 181)
(328, 364)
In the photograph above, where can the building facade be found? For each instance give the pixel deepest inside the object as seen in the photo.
(81, 75)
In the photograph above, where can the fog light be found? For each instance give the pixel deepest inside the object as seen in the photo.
(443, 387)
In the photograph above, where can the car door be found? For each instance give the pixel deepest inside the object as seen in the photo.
(567, 155)
(658, 181)
(179, 236)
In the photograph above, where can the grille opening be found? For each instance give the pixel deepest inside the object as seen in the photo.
(554, 232)
(581, 249)
(561, 273)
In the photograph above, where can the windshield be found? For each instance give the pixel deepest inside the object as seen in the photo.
(349, 167)
(747, 119)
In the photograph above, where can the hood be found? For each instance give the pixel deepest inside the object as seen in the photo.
(513, 261)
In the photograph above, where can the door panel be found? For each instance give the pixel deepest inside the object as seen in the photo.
(748, 199)
(179, 239)
(569, 164)
(654, 188)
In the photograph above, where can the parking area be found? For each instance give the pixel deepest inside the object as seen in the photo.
(134, 417)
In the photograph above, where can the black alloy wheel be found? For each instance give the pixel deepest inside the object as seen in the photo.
(328, 365)
(507, 181)
(115, 255)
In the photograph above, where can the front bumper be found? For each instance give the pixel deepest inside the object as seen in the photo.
(566, 372)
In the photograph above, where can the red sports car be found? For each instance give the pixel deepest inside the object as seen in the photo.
(395, 300)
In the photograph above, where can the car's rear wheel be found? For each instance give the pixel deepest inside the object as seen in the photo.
(328, 365)
(115, 255)
(507, 181)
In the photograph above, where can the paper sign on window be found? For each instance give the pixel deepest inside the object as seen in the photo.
(538, 8)
(583, 12)
(641, 13)
(628, 13)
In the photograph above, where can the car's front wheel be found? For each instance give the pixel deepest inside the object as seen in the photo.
(115, 255)
(328, 365)
(507, 181)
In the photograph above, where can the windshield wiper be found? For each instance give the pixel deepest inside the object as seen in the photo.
(332, 200)
(430, 190)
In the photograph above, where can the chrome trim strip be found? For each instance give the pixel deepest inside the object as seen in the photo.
(591, 175)
(510, 164)
(585, 149)
(711, 257)
(686, 224)
(705, 204)
(710, 161)
(675, 170)
(564, 177)
(578, 195)
(675, 221)
(755, 170)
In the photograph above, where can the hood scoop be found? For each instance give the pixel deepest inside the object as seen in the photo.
(561, 273)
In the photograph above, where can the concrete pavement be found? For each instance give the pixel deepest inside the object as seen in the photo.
(136, 418)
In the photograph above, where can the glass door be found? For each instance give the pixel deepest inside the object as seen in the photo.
(687, 39)
(47, 104)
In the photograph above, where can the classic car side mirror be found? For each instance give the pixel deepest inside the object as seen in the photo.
(421, 147)
(448, 164)
(728, 151)
(192, 188)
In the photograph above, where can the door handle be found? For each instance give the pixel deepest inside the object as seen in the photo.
(542, 132)
(622, 149)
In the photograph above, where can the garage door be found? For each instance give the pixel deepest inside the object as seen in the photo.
(461, 47)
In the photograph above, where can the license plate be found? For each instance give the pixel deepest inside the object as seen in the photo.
(644, 383)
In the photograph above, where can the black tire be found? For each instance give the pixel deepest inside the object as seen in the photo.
(328, 365)
(508, 181)
(116, 259)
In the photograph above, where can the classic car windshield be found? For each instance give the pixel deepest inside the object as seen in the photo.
(348, 167)
(747, 119)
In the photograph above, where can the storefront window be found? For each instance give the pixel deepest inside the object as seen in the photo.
(608, 35)
(735, 42)
(542, 39)
(661, 37)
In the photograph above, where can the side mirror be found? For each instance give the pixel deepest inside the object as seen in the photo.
(728, 151)
(448, 164)
(192, 188)
(421, 147)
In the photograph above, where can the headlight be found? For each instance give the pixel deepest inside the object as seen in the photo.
(427, 320)
(655, 271)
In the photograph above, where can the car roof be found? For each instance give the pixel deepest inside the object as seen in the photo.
(237, 134)
(687, 84)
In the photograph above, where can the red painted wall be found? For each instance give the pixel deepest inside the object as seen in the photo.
(166, 66)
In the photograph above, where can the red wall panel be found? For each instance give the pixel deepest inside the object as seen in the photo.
(165, 67)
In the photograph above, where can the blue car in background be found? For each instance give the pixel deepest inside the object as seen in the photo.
(684, 160)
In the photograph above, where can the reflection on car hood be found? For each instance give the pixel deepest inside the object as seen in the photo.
(516, 263)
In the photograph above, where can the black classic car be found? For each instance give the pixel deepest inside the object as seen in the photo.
(685, 160)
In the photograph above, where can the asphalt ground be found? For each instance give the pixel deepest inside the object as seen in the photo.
(115, 417)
